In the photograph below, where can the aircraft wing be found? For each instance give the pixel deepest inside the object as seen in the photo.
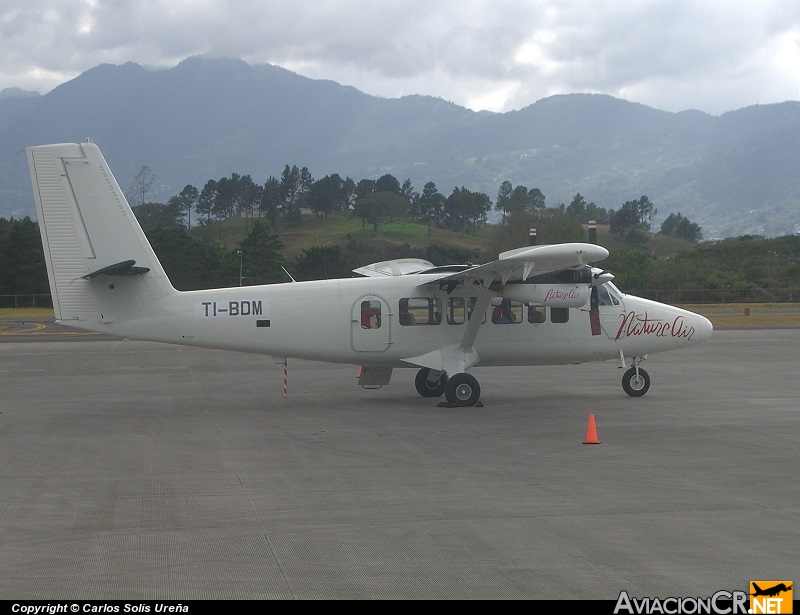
(520, 263)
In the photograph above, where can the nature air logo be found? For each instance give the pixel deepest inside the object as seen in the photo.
(773, 597)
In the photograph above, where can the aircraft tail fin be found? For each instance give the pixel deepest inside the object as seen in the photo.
(101, 268)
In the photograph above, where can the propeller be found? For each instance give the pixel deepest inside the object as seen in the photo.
(594, 311)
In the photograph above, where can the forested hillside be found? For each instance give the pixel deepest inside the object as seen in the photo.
(745, 268)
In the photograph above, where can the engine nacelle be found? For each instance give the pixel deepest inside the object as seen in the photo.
(551, 295)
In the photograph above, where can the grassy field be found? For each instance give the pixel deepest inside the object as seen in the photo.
(720, 314)
(22, 313)
(749, 314)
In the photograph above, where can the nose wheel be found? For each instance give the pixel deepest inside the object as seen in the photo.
(635, 382)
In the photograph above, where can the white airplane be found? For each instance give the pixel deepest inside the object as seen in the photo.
(535, 305)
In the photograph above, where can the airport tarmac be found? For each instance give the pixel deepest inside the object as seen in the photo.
(133, 470)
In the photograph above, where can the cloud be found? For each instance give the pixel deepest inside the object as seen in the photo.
(499, 55)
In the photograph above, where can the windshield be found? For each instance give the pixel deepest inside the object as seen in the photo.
(608, 294)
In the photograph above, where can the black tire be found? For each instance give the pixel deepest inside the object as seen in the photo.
(634, 385)
(430, 388)
(463, 390)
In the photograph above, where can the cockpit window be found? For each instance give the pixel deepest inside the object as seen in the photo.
(607, 294)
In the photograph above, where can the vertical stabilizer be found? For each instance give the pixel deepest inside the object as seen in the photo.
(101, 268)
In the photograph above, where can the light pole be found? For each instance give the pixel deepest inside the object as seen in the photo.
(239, 252)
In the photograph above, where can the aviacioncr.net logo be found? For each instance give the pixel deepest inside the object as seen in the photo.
(722, 603)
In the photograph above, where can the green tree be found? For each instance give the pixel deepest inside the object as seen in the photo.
(512, 199)
(479, 208)
(320, 263)
(678, 226)
(262, 256)
(536, 199)
(271, 199)
(187, 200)
(247, 197)
(412, 196)
(555, 226)
(190, 264)
(431, 205)
(205, 202)
(464, 207)
(378, 208)
(632, 268)
(519, 200)
(583, 211)
(503, 203)
(387, 183)
(457, 207)
(295, 185)
(448, 255)
(290, 192)
(22, 265)
(153, 215)
(632, 216)
(577, 208)
(328, 195)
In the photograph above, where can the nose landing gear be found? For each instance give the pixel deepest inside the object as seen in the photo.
(636, 381)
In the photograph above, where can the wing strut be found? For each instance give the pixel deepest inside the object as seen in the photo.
(460, 357)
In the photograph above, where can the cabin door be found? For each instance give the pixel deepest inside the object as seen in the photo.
(370, 324)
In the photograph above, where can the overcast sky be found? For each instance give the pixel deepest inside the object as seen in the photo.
(713, 55)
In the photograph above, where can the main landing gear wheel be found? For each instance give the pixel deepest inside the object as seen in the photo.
(430, 388)
(462, 390)
(635, 384)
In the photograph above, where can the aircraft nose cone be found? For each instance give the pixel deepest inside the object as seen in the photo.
(704, 328)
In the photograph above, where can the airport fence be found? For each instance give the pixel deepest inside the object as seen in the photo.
(721, 295)
(26, 301)
(683, 295)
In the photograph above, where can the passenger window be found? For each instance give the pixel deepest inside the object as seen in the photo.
(370, 314)
(559, 314)
(420, 311)
(536, 314)
(458, 311)
(507, 312)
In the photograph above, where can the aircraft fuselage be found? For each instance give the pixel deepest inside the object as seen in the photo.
(322, 321)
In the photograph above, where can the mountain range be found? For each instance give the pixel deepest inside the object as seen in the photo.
(733, 174)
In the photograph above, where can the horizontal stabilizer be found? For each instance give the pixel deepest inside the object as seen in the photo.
(123, 268)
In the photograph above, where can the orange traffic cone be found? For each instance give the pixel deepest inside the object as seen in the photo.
(591, 432)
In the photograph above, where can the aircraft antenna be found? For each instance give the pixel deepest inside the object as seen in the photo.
(287, 273)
